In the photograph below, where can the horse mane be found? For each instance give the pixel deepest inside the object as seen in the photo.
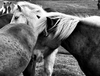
(64, 25)
(91, 20)
(37, 9)
(67, 23)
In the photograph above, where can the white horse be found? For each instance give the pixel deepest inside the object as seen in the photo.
(29, 9)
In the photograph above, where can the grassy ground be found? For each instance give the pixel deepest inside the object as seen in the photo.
(65, 64)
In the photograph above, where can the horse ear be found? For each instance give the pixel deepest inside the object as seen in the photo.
(19, 8)
(49, 23)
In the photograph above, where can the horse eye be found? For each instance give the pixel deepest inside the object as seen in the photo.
(16, 17)
(38, 16)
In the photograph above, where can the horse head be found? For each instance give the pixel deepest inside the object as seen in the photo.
(34, 8)
(18, 16)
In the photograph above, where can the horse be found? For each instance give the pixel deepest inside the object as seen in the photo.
(80, 36)
(17, 42)
(39, 12)
(7, 7)
(5, 19)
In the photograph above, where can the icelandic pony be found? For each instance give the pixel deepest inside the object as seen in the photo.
(39, 12)
(7, 7)
(81, 37)
(16, 46)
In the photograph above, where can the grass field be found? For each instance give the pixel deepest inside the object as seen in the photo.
(65, 64)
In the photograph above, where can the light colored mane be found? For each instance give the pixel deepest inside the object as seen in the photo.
(93, 20)
(65, 23)
(36, 9)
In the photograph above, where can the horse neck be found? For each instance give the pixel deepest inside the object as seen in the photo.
(40, 25)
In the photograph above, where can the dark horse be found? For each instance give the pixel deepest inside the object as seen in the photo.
(16, 45)
(5, 19)
(83, 41)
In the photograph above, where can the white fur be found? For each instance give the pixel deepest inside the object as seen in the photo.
(36, 9)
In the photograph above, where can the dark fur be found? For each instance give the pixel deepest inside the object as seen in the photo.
(5, 19)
